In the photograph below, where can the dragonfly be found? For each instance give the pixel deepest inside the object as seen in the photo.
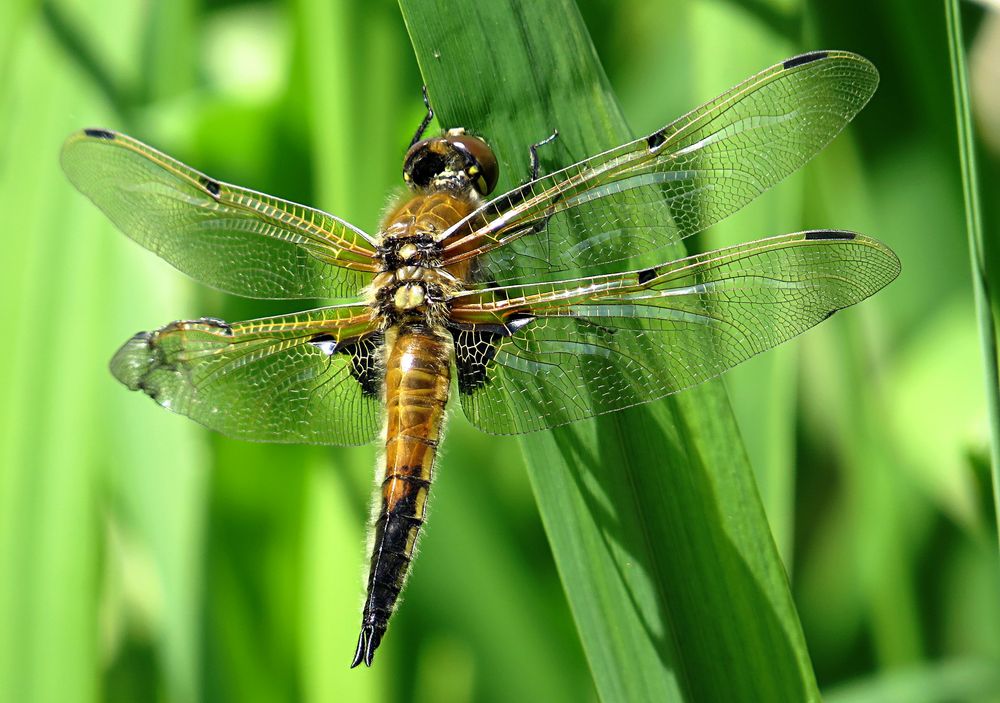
(502, 300)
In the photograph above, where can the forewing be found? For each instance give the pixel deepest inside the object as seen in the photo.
(643, 196)
(537, 356)
(309, 378)
(228, 237)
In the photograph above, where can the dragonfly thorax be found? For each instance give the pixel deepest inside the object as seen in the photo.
(411, 286)
(408, 250)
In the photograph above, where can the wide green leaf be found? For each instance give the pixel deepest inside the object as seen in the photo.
(652, 513)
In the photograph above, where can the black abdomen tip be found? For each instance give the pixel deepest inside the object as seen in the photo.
(830, 234)
(802, 59)
(368, 642)
(99, 133)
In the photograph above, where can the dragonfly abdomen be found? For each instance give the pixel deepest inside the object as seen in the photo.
(417, 378)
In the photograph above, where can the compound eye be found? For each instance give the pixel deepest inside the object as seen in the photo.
(425, 160)
(483, 168)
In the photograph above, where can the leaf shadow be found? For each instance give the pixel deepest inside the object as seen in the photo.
(668, 602)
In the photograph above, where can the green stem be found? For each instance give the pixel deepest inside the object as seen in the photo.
(974, 229)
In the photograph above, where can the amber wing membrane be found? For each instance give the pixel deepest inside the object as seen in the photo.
(643, 196)
(311, 378)
(537, 356)
(230, 238)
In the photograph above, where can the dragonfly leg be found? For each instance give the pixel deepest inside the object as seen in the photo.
(533, 150)
(424, 122)
(521, 193)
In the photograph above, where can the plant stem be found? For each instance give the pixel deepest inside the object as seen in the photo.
(974, 230)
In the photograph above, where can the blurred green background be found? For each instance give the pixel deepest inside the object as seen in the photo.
(142, 558)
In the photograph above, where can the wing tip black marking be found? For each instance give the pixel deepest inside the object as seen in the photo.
(211, 186)
(803, 59)
(830, 234)
(99, 133)
(655, 139)
(647, 276)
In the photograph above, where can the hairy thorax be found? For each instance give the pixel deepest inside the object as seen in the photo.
(412, 285)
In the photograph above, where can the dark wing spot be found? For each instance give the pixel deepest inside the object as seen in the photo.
(802, 59)
(99, 133)
(474, 350)
(829, 315)
(655, 139)
(647, 276)
(476, 346)
(211, 186)
(830, 234)
(366, 356)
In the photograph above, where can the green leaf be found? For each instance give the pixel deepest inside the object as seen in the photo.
(652, 513)
(763, 390)
(974, 230)
(101, 524)
(939, 682)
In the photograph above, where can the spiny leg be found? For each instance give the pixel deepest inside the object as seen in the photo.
(521, 193)
(426, 121)
(533, 150)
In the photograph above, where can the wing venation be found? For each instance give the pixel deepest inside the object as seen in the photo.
(308, 378)
(645, 196)
(595, 345)
(230, 238)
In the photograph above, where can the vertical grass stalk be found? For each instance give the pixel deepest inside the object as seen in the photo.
(974, 229)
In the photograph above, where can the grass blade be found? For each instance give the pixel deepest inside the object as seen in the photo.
(974, 230)
(956, 680)
(656, 525)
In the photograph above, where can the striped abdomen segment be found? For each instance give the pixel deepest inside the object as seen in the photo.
(417, 376)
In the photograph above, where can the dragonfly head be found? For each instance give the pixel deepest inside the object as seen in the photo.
(453, 161)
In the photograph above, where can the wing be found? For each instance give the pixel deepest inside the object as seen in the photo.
(309, 378)
(231, 238)
(652, 192)
(537, 356)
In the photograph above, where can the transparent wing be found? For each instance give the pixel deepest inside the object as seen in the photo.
(231, 238)
(309, 378)
(537, 356)
(652, 192)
